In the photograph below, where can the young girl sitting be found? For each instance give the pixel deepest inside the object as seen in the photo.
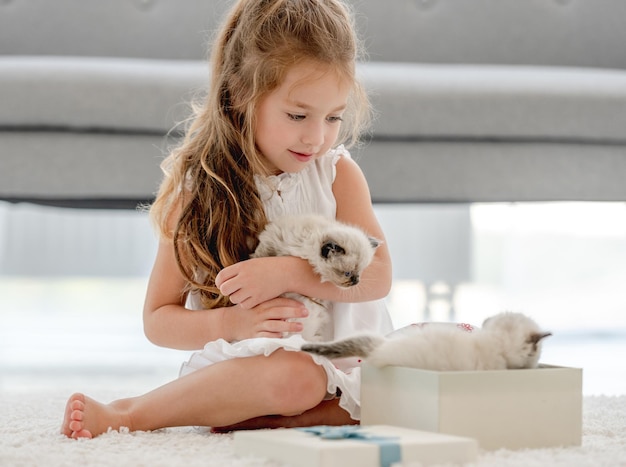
(283, 94)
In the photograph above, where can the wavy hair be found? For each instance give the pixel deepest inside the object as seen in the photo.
(209, 177)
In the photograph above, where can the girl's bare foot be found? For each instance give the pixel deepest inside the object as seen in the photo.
(86, 418)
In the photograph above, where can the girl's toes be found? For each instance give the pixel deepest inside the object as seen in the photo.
(76, 425)
(82, 434)
(74, 404)
(77, 404)
(77, 415)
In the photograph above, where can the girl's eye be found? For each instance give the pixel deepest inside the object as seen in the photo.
(335, 119)
(295, 117)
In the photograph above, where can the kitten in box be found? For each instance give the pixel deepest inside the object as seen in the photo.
(505, 341)
(338, 253)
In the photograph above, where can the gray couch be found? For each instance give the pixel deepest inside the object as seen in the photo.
(477, 100)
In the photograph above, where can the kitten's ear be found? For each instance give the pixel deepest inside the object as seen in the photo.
(374, 242)
(537, 336)
(330, 248)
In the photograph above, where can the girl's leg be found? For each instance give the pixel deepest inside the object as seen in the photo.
(326, 413)
(285, 383)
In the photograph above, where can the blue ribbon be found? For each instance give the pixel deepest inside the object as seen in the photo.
(389, 450)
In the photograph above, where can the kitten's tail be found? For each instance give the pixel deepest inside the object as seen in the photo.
(358, 346)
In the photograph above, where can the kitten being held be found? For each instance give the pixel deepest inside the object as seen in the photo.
(337, 252)
(506, 341)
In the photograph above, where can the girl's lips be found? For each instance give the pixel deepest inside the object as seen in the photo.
(302, 157)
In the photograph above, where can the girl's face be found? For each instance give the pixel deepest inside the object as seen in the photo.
(300, 120)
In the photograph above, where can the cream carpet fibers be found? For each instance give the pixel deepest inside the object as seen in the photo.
(29, 437)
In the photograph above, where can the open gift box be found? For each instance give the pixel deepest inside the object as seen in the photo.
(514, 409)
(372, 446)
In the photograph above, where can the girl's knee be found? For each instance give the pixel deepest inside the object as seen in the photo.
(300, 384)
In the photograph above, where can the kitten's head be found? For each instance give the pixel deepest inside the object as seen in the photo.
(344, 253)
(521, 336)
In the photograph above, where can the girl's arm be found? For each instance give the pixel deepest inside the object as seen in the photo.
(168, 323)
(290, 274)
(354, 206)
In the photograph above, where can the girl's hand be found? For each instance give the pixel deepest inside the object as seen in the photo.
(254, 281)
(269, 319)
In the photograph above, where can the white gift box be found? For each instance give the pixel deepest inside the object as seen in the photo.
(379, 446)
(511, 409)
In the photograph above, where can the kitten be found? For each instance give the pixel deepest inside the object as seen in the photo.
(506, 341)
(337, 252)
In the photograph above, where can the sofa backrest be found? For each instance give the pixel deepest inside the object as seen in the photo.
(577, 33)
(167, 29)
(574, 33)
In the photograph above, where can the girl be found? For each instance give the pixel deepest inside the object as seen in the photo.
(283, 93)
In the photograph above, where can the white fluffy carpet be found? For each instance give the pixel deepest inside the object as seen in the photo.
(29, 437)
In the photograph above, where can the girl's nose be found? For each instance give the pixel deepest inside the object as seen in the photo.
(313, 135)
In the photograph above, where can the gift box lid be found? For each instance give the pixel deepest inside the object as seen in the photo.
(373, 446)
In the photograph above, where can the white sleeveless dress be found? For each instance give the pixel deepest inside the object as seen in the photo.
(308, 191)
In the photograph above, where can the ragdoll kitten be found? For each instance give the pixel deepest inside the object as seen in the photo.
(506, 341)
(337, 252)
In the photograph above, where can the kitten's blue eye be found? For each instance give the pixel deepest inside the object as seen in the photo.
(347, 273)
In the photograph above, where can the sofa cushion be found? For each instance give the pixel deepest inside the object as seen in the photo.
(101, 94)
(415, 101)
(61, 166)
(419, 101)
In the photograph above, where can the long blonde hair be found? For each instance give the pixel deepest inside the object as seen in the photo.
(209, 177)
